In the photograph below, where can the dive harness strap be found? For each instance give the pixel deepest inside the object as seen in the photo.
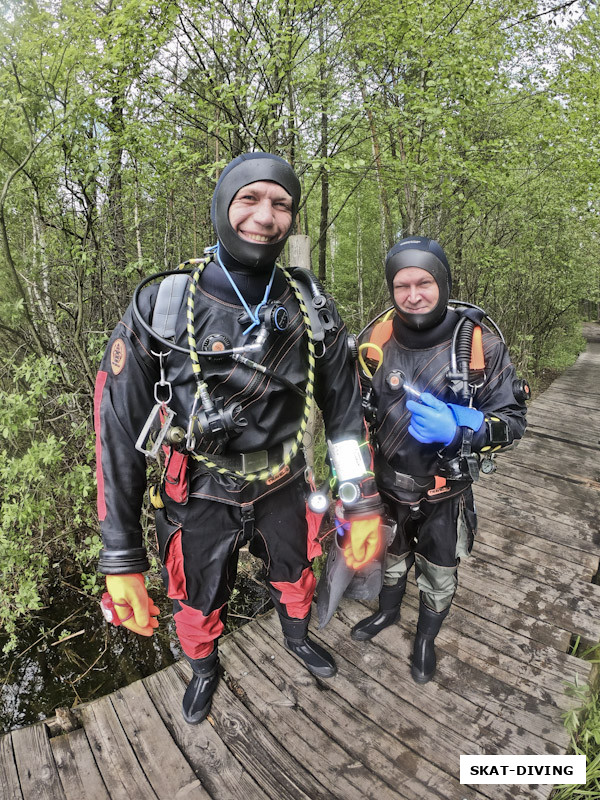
(426, 485)
(315, 303)
(256, 461)
(172, 289)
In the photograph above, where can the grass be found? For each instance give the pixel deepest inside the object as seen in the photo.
(583, 723)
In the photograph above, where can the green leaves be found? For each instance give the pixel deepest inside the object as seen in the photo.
(47, 484)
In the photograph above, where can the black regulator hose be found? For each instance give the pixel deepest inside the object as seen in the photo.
(463, 343)
(460, 357)
(235, 354)
(316, 289)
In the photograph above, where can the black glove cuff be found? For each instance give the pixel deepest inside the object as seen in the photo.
(123, 562)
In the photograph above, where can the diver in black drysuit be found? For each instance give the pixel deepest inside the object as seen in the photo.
(420, 464)
(209, 510)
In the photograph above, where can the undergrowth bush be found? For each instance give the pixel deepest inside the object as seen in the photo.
(46, 500)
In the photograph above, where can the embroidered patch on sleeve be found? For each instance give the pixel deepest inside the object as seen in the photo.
(118, 356)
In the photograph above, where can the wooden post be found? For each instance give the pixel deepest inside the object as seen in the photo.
(299, 250)
(300, 257)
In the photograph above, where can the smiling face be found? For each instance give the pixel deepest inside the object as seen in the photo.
(415, 291)
(261, 212)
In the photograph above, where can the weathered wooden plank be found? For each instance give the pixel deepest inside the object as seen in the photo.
(253, 744)
(166, 769)
(565, 413)
(400, 768)
(476, 698)
(567, 406)
(526, 561)
(9, 778)
(79, 774)
(342, 775)
(118, 765)
(579, 383)
(484, 675)
(523, 547)
(495, 519)
(473, 597)
(557, 584)
(36, 768)
(545, 686)
(432, 721)
(553, 490)
(582, 430)
(534, 526)
(218, 770)
(562, 513)
(556, 473)
(559, 391)
(539, 520)
(576, 433)
(563, 458)
(576, 612)
(543, 659)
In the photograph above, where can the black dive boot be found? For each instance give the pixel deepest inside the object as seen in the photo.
(316, 659)
(428, 627)
(198, 695)
(390, 598)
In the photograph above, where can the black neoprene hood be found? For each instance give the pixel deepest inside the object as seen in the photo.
(245, 169)
(427, 254)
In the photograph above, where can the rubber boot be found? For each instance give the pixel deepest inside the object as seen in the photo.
(198, 695)
(390, 599)
(316, 659)
(428, 627)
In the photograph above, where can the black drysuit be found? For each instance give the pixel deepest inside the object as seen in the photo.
(207, 517)
(436, 518)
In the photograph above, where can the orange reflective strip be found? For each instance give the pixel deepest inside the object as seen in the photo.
(379, 336)
(477, 359)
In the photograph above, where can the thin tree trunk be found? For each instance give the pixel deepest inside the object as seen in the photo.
(324, 177)
(387, 234)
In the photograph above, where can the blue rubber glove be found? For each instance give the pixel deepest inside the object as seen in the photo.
(467, 417)
(432, 421)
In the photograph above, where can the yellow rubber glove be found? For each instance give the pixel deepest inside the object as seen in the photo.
(364, 541)
(131, 590)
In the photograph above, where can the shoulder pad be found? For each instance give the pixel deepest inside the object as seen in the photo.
(171, 292)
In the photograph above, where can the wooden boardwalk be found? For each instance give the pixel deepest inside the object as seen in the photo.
(276, 732)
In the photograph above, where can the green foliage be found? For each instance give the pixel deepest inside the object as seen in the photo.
(584, 726)
(474, 123)
(45, 496)
(583, 723)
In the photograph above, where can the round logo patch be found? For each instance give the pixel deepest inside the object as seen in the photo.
(118, 356)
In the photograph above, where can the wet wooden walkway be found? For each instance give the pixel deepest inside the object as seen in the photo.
(370, 732)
